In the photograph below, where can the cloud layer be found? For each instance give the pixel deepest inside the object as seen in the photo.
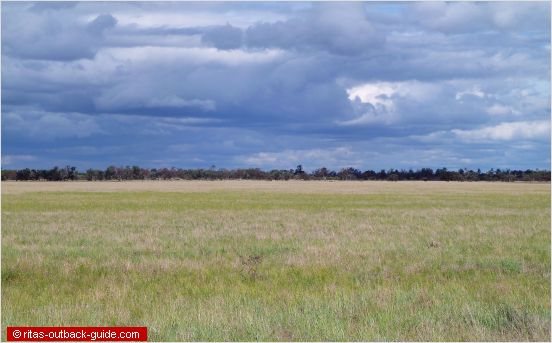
(272, 85)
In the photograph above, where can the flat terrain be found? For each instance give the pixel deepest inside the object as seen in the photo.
(260, 260)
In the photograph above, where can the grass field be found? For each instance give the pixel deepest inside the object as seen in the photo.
(237, 260)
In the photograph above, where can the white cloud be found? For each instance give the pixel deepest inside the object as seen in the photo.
(179, 18)
(190, 55)
(377, 94)
(475, 91)
(522, 130)
(377, 102)
(499, 110)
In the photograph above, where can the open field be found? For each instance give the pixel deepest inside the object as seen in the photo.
(260, 260)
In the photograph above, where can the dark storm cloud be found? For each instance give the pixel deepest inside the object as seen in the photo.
(223, 37)
(340, 29)
(47, 35)
(274, 84)
(101, 23)
(336, 28)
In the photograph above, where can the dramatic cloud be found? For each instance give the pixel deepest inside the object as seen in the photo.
(273, 85)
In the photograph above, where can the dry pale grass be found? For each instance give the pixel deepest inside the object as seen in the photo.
(291, 186)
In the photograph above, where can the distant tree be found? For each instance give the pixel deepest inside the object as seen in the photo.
(321, 173)
(90, 174)
(23, 174)
(110, 173)
(137, 173)
(393, 177)
(69, 173)
(9, 175)
(443, 174)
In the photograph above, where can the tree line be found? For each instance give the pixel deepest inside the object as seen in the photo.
(70, 173)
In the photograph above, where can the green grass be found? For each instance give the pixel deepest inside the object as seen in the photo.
(246, 265)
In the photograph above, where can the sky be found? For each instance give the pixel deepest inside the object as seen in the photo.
(276, 84)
